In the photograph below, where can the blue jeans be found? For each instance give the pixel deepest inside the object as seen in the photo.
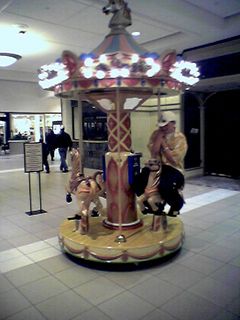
(63, 156)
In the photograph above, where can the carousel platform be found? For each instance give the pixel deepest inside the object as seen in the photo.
(101, 244)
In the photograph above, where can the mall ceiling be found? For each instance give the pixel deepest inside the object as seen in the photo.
(44, 28)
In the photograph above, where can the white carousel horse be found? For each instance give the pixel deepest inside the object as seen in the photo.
(121, 14)
(86, 189)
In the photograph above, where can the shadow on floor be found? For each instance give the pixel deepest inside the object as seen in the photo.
(123, 267)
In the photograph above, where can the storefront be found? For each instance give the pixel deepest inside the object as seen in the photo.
(31, 126)
(3, 128)
(17, 128)
(94, 132)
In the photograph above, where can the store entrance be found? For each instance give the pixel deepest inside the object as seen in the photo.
(192, 131)
(222, 135)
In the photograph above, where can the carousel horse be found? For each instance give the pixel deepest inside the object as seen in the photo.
(149, 198)
(155, 186)
(151, 193)
(121, 14)
(86, 189)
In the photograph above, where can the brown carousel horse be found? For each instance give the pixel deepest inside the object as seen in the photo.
(87, 190)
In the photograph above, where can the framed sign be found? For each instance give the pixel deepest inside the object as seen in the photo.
(33, 157)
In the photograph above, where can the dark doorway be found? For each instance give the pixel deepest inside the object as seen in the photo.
(222, 134)
(192, 130)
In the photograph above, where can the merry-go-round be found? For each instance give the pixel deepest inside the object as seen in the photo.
(117, 77)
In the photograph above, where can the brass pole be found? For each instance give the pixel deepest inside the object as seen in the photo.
(120, 237)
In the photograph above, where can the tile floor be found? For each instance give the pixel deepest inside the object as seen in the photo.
(38, 282)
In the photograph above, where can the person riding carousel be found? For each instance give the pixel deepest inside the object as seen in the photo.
(170, 147)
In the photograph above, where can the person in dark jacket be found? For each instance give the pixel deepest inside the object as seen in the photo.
(64, 142)
(45, 153)
(51, 143)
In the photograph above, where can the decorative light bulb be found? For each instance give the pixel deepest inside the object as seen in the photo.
(149, 61)
(156, 67)
(124, 72)
(87, 72)
(88, 62)
(43, 75)
(102, 58)
(114, 73)
(135, 58)
(100, 74)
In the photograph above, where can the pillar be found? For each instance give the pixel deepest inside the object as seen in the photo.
(121, 201)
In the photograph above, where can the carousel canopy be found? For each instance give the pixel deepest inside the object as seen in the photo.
(118, 62)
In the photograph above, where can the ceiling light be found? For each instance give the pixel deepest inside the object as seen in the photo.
(136, 33)
(7, 59)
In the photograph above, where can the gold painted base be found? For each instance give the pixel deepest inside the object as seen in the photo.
(103, 245)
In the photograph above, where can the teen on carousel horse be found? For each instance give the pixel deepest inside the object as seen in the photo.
(169, 148)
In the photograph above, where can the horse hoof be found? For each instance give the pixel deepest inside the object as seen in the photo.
(95, 213)
(164, 223)
(172, 213)
(68, 198)
(145, 212)
(76, 217)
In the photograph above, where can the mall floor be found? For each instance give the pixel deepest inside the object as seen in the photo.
(38, 281)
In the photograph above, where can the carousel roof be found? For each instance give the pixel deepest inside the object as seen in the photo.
(119, 61)
(122, 42)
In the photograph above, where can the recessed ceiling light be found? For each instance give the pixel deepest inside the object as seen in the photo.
(21, 28)
(136, 33)
(21, 40)
(7, 59)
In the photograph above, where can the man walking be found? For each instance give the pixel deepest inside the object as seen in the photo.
(64, 142)
(51, 143)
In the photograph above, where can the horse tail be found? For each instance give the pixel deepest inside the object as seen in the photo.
(96, 173)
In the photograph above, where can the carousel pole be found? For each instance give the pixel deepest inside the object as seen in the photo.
(80, 140)
(120, 237)
(159, 220)
(159, 103)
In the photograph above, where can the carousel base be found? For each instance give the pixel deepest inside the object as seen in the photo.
(101, 244)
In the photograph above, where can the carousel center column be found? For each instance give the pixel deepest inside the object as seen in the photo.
(121, 201)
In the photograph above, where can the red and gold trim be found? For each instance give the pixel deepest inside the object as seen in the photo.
(141, 244)
(121, 128)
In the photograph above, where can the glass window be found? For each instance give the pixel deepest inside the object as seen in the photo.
(2, 132)
(31, 127)
(51, 120)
